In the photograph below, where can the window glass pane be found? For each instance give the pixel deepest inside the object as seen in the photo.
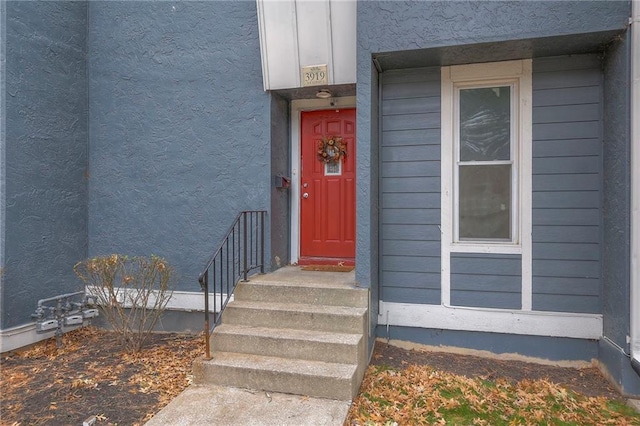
(485, 116)
(333, 169)
(485, 202)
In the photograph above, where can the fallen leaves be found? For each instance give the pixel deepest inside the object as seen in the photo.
(90, 376)
(420, 395)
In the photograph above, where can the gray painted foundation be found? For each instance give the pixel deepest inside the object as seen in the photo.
(548, 348)
(171, 321)
(617, 366)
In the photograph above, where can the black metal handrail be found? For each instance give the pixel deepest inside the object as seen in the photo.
(240, 252)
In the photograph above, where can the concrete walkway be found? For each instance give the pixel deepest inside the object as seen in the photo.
(221, 406)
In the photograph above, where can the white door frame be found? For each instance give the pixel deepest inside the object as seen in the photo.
(297, 107)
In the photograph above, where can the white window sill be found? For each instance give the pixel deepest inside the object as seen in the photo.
(500, 248)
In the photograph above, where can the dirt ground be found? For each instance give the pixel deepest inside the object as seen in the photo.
(91, 376)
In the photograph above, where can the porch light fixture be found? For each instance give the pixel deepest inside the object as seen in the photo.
(323, 94)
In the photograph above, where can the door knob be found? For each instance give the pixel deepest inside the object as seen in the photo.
(305, 195)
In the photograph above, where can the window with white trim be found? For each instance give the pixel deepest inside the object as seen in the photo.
(486, 156)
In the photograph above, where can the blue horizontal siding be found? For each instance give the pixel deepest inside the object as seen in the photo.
(567, 148)
(410, 232)
(411, 264)
(409, 90)
(414, 121)
(410, 153)
(566, 216)
(411, 248)
(567, 184)
(412, 137)
(564, 113)
(545, 80)
(566, 251)
(486, 280)
(415, 200)
(559, 302)
(410, 186)
(411, 216)
(562, 234)
(561, 131)
(562, 165)
(566, 95)
(410, 169)
(567, 192)
(567, 286)
(422, 296)
(417, 280)
(392, 107)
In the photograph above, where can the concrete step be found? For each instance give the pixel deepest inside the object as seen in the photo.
(292, 331)
(334, 294)
(303, 377)
(289, 343)
(338, 319)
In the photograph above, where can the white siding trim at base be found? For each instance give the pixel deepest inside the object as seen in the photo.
(533, 323)
(180, 300)
(25, 335)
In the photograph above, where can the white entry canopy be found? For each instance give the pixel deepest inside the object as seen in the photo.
(307, 42)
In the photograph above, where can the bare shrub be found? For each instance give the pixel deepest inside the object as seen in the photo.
(132, 293)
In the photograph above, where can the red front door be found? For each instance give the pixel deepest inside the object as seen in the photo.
(328, 198)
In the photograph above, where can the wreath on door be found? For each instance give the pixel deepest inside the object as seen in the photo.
(331, 149)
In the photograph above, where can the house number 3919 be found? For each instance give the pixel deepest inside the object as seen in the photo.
(314, 75)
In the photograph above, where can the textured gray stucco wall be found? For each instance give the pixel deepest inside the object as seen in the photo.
(616, 207)
(367, 173)
(180, 130)
(387, 26)
(3, 38)
(45, 150)
(614, 349)
(280, 161)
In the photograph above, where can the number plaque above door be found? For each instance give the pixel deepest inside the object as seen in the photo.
(314, 75)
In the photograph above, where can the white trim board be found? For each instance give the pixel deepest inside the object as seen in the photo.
(24, 335)
(180, 300)
(297, 107)
(532, 323)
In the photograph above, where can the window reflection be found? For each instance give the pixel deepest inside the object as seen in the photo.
(485, 202)
(485, 123)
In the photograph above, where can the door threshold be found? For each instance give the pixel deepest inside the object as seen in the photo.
(303, 261)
